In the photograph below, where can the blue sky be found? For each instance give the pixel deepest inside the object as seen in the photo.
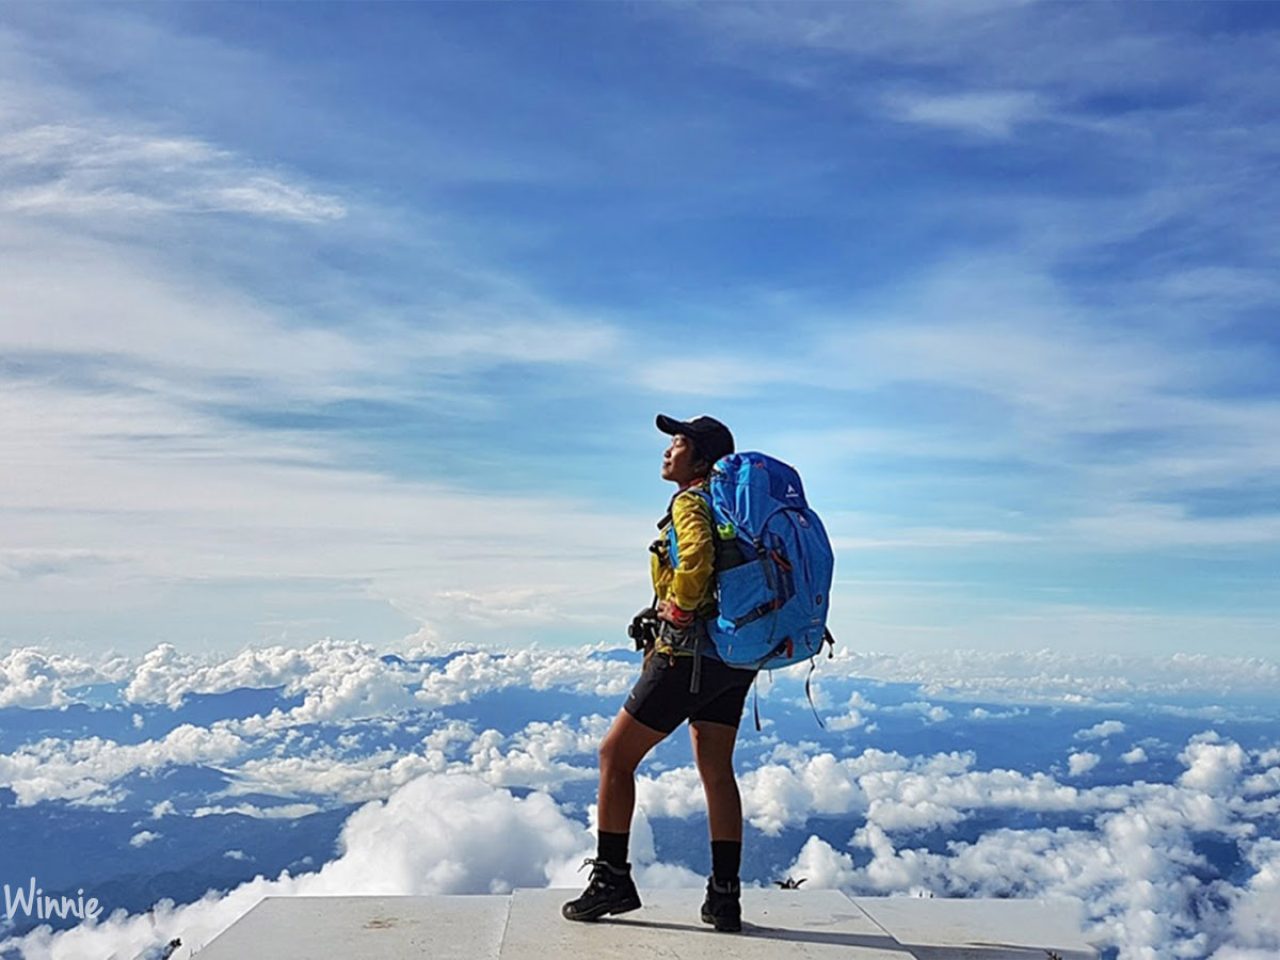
(341, 320)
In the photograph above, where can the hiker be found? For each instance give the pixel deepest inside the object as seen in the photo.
(683, 678)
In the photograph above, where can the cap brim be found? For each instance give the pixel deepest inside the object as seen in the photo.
(669, 425)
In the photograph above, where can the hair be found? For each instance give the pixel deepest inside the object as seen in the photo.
(698, 455)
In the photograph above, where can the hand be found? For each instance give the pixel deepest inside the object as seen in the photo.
(669, 612)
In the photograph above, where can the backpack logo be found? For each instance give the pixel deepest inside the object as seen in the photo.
(791, 491)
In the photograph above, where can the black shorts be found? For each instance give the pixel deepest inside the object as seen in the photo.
(661, 698)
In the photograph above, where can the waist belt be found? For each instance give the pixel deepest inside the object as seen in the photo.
(687, 640)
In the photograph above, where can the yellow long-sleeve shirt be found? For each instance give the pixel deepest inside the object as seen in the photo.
(687, 578)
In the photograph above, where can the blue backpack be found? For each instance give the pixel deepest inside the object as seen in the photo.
(774, 565)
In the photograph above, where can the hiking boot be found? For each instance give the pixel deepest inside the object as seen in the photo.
(610, 890)
(723, 906)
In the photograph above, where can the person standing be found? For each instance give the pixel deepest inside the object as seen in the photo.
(682, 679)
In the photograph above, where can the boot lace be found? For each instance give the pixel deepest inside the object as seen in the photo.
(599, 870)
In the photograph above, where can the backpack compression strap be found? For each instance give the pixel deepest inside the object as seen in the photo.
(828, 639)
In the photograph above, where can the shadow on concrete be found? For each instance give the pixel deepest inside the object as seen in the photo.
(996, 951)
(868, 941)
(757, 932)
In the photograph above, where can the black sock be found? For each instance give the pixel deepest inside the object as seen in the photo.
(612, 847)
(726, 858)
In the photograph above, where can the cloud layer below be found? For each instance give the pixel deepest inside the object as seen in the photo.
(1130, 818)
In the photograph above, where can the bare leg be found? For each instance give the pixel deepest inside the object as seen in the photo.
(611, 888)
(623, 747)
(713, 752)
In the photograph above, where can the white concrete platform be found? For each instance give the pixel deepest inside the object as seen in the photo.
(365, 928)
(798, 924)
(986, 929)
(807, 924)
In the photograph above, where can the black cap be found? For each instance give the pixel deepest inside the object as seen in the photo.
(711, 438)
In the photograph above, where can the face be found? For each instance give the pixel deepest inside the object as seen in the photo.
(679, 462)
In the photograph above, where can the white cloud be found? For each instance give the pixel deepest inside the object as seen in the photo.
(821, 866)
(177, 348)
(143, 837)
(1048, 675)
(1130, 874)
(930, 538)
(31, 678)
(855, 716)
(1136, 755)
(170, 507)
(1101, 731)
(434, 835)
(471, 674)
(1157, 525)
(1129, 868)
(342, 680)
(1048, 381)
(1130, 877)
(1081, 763)
(983, 113)
(83, 770)
(284, 811)
(269, 197)
(1269, 757)
(982, 713)
(932, 713)
(1213, 765)
(452, 834)
(82, 170)
(532, 756)
(893, 792)
(1039, 356)
(1262, 784)
(1255, 921)
(319, 773)
(719, 376)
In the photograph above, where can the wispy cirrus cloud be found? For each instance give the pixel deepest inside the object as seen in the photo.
(993, 114)
(141, 361)
(83, 171)
(936, 282)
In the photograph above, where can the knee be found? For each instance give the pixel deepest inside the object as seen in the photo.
(613, 760)
(719, 779)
